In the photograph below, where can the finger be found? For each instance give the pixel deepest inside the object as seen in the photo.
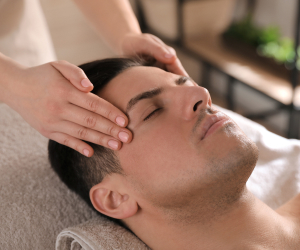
(73, 143)
(74, 74)
(86, 134)
(150, 45)
(176, 68)
(96, 122)
(95, 104)
(155, 38)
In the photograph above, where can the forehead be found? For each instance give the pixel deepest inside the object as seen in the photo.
(134, 81)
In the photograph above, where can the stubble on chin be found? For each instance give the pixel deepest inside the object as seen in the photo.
(223, 184)
(228, 175)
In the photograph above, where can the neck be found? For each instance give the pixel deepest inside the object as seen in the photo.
(249, 224)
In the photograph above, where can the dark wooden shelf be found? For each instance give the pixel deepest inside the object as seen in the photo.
(213, 51)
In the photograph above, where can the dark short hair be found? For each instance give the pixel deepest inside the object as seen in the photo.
(78, 172)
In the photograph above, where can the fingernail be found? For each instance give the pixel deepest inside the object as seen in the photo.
(86, 83)
(86, 152)
(113, 144)
(123, 136)
(168, 55)
(120, 120)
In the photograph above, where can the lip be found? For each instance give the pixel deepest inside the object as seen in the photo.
(212, 124)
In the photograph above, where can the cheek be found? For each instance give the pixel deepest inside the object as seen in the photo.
(156, 154)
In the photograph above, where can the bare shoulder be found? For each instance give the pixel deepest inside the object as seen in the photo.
(291, 208)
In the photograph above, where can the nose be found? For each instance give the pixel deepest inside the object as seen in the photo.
(194, 99)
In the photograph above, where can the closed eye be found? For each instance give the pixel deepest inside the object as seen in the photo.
(152, 113)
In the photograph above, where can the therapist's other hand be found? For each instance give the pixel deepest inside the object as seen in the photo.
(147, 44)
(54, 98)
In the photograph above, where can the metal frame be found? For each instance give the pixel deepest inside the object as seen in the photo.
(294, 111)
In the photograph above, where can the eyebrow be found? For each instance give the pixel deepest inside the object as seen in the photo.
(152, 93)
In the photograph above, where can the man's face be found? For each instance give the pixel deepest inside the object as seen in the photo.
(178, 150)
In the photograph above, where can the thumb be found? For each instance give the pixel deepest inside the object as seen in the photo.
(161, 51)
(167, 55)
(74, 74)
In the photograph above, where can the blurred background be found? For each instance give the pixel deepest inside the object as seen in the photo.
(243, 51)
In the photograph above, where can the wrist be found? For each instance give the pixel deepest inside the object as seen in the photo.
(11, 73)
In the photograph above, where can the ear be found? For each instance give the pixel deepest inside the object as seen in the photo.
(108, 200)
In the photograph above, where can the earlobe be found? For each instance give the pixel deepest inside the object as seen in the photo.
(112, 203)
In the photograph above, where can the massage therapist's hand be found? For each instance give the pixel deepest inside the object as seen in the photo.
(147, 44)
(54, 98)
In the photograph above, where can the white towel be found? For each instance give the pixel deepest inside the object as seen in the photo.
(275, 178)
(96, 234)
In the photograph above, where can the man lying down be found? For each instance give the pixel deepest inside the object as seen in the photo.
(181, 182)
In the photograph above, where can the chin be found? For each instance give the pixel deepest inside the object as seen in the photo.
(231, 163)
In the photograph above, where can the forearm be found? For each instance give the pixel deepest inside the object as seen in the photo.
(10, 73)
(113, 19)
